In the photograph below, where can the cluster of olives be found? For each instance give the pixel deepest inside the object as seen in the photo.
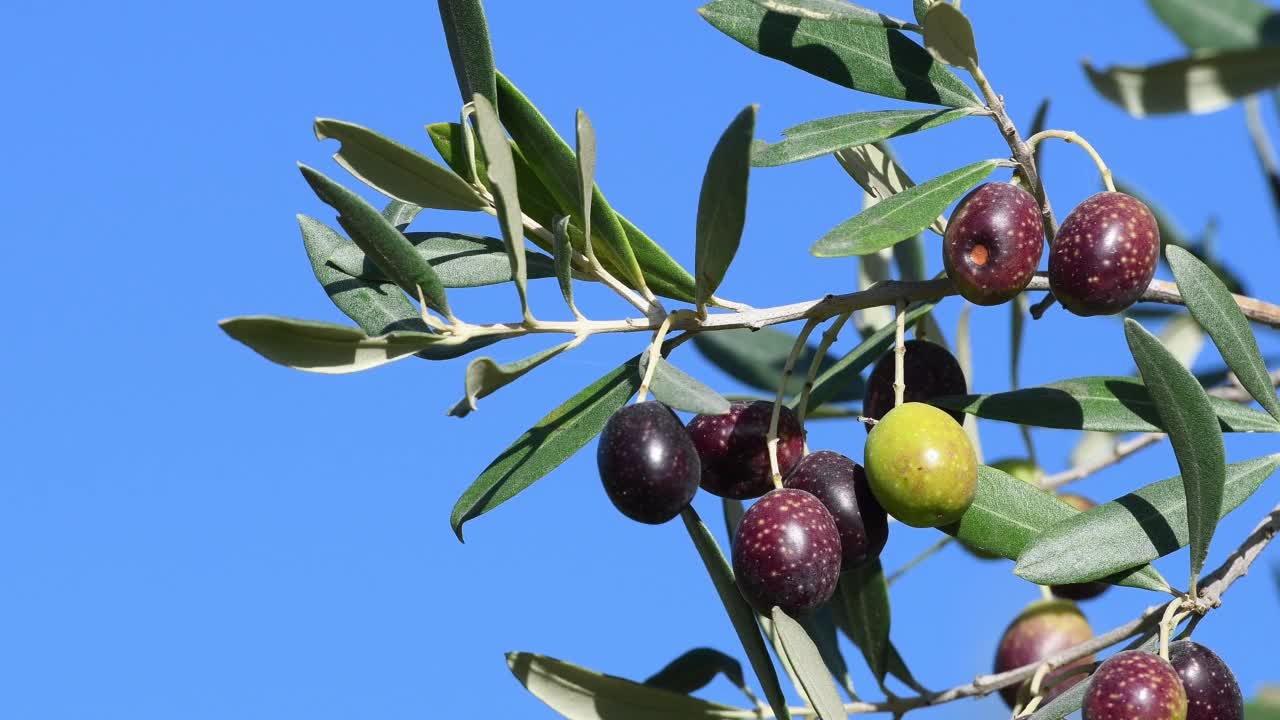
(1101, 261)
(1193, 684)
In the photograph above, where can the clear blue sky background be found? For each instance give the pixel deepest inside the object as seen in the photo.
(187, 531)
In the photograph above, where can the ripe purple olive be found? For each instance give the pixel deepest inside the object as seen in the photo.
(733, 449)
(1211, 687)
(787, 553)
(921, 465)
(1044, 628)
(1135, 685)
(1104, 255)
(647, 462)
(993, 243)
(840, 485)
(1084, 590)
(928, 370)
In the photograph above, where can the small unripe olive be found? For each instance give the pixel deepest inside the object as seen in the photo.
(921, 465)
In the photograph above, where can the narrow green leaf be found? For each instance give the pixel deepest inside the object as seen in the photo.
(467, 33)
(909, 255)
(820, 624)
(1105, 403)
(552, 440)
(585, 136)
(1213, 307)
(870, 59)
(874, 168)
(874, 268)
(400, 213)
(502, 178)
(1188, 417)
(460, 261)
(948, 36)
(835, 10)
(756, 358)
(485, 376)
(379, 239)
(1017, 321)
(665, 276)
(900, 216)
(823, 137)
(740, 612)
(920, 8)
(581, 694)
(829, 382)
(1007, 515)
(695, 669)
(679, 391)
(1203, 83)
(1136, 528)
(722, 204)
(1218, 25)
(322, 347)
(865, 596)
(733, 512)
(897, 666)
(815, 681)
(556, 165)
(397, 171)
(563, 253)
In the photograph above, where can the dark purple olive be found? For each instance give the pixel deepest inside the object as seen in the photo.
(1084, 590)
(841, 486)
(1135, 685)
(734, 450)
(1105, 255)
(993, 243)
(1044, 628)
(928, 370)
(647, 462)
(787, 553)
(1211, 687)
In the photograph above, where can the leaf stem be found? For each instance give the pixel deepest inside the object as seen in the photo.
(900, 354)
(1076, 139)
(828, 337)
(655, 356)
(802, 341)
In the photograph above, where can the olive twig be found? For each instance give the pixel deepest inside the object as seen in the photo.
(900, 354)
(655, 357)
(828, 337)
(802, 341)
(1076, 139)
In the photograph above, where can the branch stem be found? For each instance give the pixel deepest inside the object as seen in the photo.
(802, 341)
(1076, 139)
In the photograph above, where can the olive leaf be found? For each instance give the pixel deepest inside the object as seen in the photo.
(1136, 528)
(467, 33)
(948, 36)
(823, 137)
(806, 661)
(1007, 515)
(821, 626)
(835, 10)
(900, 216)
(397, 171)
(322, 347)
(1213, 307)
(867, 58)
(695, 669)
(1218, 25)
(864, 595)
(1202, 83)
(585, 138)
(722, 205)
(552, 440)
(460, 261)
(562, 251)
(1186, 414)
(874, 168)
(680, 391)
(485, 376)
(1106, 403)
(501, 171)
(400, 213)
(379, 239)
(740, 612)
(582, 694)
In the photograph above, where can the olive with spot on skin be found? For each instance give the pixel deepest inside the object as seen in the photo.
(1084, 590)
(921, 465)
(1211, 687)
(993, 243)
(1022, 469)
(840, 484)
(1105, 255)
(1044, 628)
(786, 552)
(734, 451)
(647, 462)
(1135, 685)
(928, 371)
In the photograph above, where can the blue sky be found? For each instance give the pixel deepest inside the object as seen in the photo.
(189, 531)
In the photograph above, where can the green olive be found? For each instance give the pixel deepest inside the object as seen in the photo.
(921, 465)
